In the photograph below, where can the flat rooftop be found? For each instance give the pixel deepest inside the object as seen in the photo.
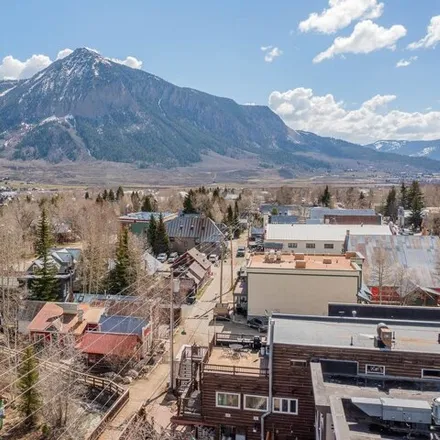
(348, 420)
(334, 331)
(313, 233)
(338, 262)
(247, 363)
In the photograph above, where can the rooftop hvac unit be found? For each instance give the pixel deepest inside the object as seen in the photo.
(266, 256)
(278, 255)
(271, 255)
(327, 261)
(300, 264)
(299, 257)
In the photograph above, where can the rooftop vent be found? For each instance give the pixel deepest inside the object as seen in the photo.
(300, 264)
(191, 227)
(385, 337)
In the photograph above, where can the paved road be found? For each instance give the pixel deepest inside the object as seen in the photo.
(196, 325)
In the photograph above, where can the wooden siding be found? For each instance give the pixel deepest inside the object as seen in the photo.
(232, 384)
(295, 382)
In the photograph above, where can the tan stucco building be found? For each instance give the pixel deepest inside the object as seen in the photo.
(301, 284)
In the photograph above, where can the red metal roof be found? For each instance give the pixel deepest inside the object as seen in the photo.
(108, 343)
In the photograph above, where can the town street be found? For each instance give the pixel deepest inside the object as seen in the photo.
(196, 327)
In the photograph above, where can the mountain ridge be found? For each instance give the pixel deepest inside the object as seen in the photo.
(428, 149)
(87, 107)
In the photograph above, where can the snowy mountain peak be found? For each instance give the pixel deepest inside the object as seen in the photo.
(429, 149)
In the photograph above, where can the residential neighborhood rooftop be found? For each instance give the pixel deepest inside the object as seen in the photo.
(416, 254)
(328, 232)
(122, 324)
(108, 343)
(333, 331)
(65, 318)
(145, 216)
(316, 262)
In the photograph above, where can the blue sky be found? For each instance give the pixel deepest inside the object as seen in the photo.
(215, 46)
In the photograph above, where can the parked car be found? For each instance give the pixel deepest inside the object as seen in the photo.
(260, 324)
(213, 258)
(241, 251)
(162, 257)
(173, 257)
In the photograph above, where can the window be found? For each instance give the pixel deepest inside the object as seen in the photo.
(287, 406)
(375, 369)
(430, 374)
(227, 400)
(310, 245)
(255, 403)
(292, 245)
(329, 246)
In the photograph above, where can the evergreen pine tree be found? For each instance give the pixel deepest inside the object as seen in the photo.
(162, 242)
(105, 195)
(135, 201)
(87, 195)
(120, 275)
(236, 227)
(28, 374)
(274, 211)
(230, 216)
(188, 203)
(416, 198)
(216, 193)
(151, 233)
(45, 287)
(404, 201)
(111, 196)
(325, 198)
(390, 209)
(99, 199)
(147, 206)
(119, 193)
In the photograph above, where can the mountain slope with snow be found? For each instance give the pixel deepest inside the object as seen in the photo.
(428, 149)
(87, 107)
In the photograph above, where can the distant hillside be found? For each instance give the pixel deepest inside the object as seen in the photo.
(87, 107)
(428, 149)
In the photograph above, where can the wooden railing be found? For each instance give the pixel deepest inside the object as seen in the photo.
(90, 380)
(110, 415)
(236, 370)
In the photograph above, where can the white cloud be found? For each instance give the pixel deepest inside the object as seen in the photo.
(270, 53)
(407, 62)
(372, 120)
(132, 62)
(366, 37)
(432, 36)
(13, 68)
(340, 14)
(64, 53)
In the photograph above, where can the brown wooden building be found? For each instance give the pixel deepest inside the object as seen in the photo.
(243, 395)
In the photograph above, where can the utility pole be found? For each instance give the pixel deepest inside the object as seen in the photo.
(232, 260)
(174, 288)
(221, 271)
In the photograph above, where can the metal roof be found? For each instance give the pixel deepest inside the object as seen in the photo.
(129, 325)
(313, 233)
(145, 216)
(283, 219)
(266, 208)
(319, 212)
(416, 255)
(201, 228)
(108, 343)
